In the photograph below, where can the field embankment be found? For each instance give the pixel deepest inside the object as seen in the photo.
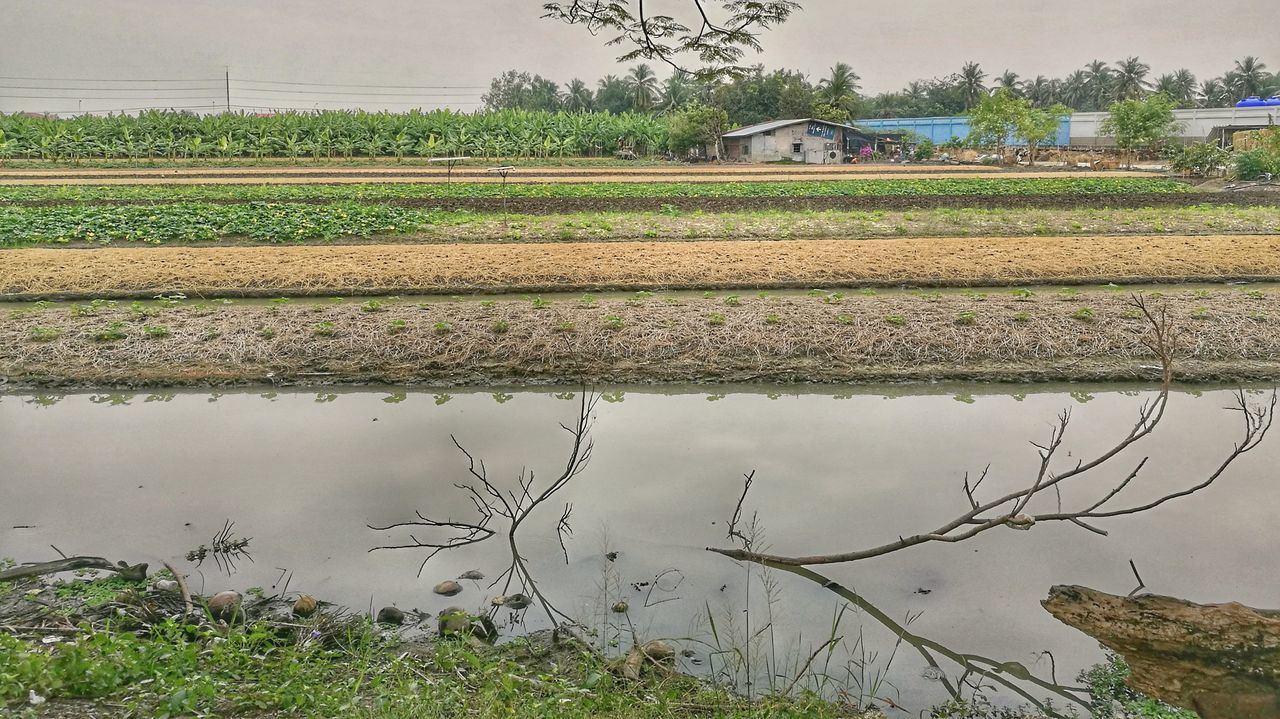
(1226, 334)
(625, 265)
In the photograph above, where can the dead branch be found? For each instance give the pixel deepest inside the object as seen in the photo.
(515, 506)
(1011, 510)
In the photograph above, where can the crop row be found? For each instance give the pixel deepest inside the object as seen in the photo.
(202, 222)
(606, 190)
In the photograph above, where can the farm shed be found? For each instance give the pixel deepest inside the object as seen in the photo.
(808, 140)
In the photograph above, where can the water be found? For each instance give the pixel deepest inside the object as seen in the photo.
(149, 477)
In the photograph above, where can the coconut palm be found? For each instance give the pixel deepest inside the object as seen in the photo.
(1075, 90)
(1041, 91)
(1099, 83)
(1180, 86)
(1215, 93)
(677, 92)
(840, 88)
(1009, 81)
(1131, 78)
(642, 87)
(1249, 77)
(971, 87)
(577, 96)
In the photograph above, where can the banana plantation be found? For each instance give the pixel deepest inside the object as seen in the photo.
(333, 134)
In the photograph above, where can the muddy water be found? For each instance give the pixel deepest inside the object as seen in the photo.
(149, 477)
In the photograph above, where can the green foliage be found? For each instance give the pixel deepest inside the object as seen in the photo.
(613, 322)
(113, 332)
(325, 329)
(969, 186)
(44, 334)
(1084, 314)
(924, 149)
(396, 326)
(715, 319)
(1141, 124)
(1111, 698)
(156, 332)
(895, 320)
(733, 301)
(371, 306)
(1199, 159)
(772, 319)
(500, 327)
(442, 328)
(696, 126)
(966, 318)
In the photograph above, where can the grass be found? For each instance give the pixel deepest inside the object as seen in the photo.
(605, 190)
(351, 671)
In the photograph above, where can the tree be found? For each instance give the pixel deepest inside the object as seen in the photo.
(1037, 126)
(677, 92)
(840, 89)
(1250, 77)
(577, 96)
(971, 87)
(612, 95)
(1099, 83)
(996, 119)
(642, 87)
(1180, 86)
(1214, 93)
(1075, 90)
(1141, 124)
(514, 90)
(758, 96)
(1009, 81)
(716, 40)
(697, 126)
(1131, 78)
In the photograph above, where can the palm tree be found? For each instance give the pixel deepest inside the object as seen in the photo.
(1214, 93)
(577, 96)
(1131, 78)
(1009, 81)
(1250, 76)
(1180, 86)
(611, 94)
(840, 89)
(1040, 91)
(677, 92)
(971, 87)
(642, 87)
(1075, 90)
(1098, 83)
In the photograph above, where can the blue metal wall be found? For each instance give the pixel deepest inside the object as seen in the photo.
(942, 129)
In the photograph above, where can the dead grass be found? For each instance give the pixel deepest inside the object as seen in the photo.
(1226, 334)
(373, 269)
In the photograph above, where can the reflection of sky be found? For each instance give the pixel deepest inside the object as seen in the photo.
(304, 477)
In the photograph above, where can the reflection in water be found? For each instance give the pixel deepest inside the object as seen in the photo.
(304, 479)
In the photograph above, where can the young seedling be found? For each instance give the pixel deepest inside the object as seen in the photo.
(395, 327)
(500, 327)
(1200, 313)
(1022, 317)
(44, 334)
(772, 319)
(715, 319)
(613, 322)
(966, 318)
(834, 298)
(1022, 294)
(325, 329)
(844, 319)
(110, 333)
(733, 301)
(895, 320)
(1084, 314)
(371, 306)
(155, 332)
(565, 326)
(442, 328)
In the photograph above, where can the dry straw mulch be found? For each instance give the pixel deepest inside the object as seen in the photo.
(632, 265)
(1224, 334)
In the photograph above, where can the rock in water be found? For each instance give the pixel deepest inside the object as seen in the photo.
(456, 622)
(657, 650)
(513, 601)
(1222, 660)
(305, 606)
(166, 585)
(448, 588)
(390, 615)
(474, 574)
(224, 605)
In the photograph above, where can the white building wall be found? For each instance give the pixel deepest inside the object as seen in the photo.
(1196, 123)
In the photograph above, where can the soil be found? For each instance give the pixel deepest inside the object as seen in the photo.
(563, 266)
(1226, 335)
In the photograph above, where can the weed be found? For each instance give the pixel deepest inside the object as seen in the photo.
(138, 310)
(538, 303)
(1200, 313)
(487, 303)
(266, 332)
(565, 326)
(112, 332)
(834, 298)
(1258, 316)
(930, 296)
(1022, 294)
(844, 319)
(587, 300)
(868, 291)
(816, 292)
(708, 295)
(280, 301)
(1254, 294)
(1131, 313)
(1067, 293)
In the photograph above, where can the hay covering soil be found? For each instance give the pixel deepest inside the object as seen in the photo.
(543, 267)
(1226, 335)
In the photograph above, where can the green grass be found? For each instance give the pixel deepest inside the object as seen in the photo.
(351, 671)
(605, 190)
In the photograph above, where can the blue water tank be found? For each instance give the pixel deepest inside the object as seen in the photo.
(1273, 101)
(1252, 101)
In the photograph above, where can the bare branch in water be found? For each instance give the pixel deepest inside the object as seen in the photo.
(1011, 510)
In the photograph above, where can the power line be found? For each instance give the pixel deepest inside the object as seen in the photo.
(76, 98)
(360, 84)
(274, 91)
(108, 89)
(103, 79)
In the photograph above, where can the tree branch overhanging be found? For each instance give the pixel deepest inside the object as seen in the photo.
(1011, 510)
(718, 45)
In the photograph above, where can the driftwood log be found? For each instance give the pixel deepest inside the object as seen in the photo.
(132, 572)
(1222, 660)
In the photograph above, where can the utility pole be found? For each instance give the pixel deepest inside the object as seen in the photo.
(227, 77)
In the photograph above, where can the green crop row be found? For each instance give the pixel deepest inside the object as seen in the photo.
(196, 222)
(603, 190)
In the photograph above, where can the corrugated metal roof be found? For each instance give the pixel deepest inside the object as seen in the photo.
(775, 124)
(762, 126)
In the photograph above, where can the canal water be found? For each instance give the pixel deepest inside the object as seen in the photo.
(303, 475)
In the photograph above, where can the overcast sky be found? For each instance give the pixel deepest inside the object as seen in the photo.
(459, 46)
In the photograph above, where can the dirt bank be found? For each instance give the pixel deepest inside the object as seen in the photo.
(546, 267)
(1227, 335)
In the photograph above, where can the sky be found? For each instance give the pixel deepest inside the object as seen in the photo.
(118, 54)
